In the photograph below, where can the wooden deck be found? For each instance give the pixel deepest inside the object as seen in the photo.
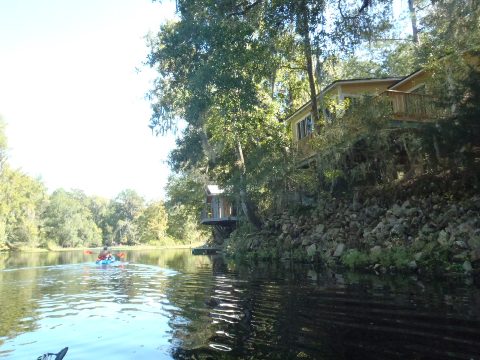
(205, 250)
(411, 107)
(230, 220)
(408, 110)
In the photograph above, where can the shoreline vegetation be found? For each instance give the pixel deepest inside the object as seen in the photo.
(115, 248)
(32, 219)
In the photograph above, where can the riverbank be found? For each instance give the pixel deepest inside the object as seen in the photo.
(431, 225)
(115, 248)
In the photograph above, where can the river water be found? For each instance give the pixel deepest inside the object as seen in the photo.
(171, 305)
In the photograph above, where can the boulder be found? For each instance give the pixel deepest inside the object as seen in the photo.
(397, 211)
(398, 230)
(467, 267)
(377, 249)
(311, 250)
(319, 229)
(307, 240)
(443, 237)
(339, 250)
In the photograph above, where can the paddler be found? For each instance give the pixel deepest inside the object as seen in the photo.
(105, 254)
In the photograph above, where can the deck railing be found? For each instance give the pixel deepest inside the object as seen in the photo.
(218, 212)
(414, 107)
(405, 107)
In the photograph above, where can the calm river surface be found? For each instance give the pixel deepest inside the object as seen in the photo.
(172, 305)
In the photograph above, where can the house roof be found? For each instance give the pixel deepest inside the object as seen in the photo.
(343, 82)
(406, 78)
(359, 81)
(213, 190)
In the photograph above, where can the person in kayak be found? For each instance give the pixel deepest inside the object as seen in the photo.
(105, 254)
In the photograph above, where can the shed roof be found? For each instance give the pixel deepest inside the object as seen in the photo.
(213, 190)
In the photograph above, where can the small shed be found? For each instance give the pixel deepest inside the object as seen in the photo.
(218, 209)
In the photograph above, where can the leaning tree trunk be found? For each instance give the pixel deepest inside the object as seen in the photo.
(249, 209)
(303, 29)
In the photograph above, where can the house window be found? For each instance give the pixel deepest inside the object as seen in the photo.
(351, 102)
(304, 127)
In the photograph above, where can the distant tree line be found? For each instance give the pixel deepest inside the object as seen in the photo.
(30, 217)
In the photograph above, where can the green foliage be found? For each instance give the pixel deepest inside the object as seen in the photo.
(355, 149)
(127, 207)
(355, 259)
(230, 70)
(397, 258)
(68, 221)
(452, 26)
(3, 143)
(29, 217)
(185, 200)
(102, 214)
(152, 223)
(21, 202)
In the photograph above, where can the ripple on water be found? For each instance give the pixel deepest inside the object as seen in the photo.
(101, 304)
(146, 312)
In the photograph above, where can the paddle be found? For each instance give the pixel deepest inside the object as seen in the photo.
(58, 356)
(119, 255)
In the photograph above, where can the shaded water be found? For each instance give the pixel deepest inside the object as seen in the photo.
(170, 304)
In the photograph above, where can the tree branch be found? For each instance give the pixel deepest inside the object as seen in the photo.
(246, 9)
(365, 4)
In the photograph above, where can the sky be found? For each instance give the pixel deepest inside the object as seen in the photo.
(73, 98)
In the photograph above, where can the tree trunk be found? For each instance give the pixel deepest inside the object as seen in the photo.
(248, 207)
(303, 29)
(413, 19)
(320, 76)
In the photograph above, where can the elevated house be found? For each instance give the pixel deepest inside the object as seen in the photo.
(338, 93)
(409, 98)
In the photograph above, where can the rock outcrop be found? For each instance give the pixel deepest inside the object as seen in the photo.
(413, 233)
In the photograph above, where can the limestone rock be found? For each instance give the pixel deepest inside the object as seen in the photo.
(377, 249)
(319, 229)
(339, 250)
(397, 211)
(311, 250)
(307, 240)
(467, 267)
(443, 237)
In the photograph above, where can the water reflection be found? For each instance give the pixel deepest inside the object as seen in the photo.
(169, 304)
(280, 312)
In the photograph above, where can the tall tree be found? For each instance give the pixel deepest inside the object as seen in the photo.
(217, 70)
(3, 144)
(68, 221)
(152, 223)
(127, 208)
(21, 202)
(185, 196)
